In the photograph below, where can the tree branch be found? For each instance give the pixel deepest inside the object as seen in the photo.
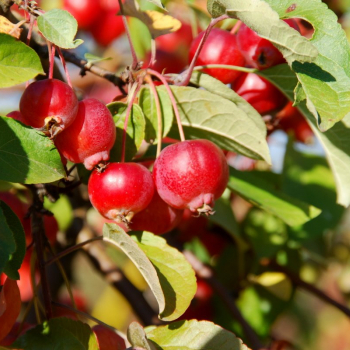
(207, 274)
(296, 280)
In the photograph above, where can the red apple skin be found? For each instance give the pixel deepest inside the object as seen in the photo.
(258, 52)
(84, 11)
(291, 120)
(167, 62)
(107, 339)
(17, 115)
(220, 48)
(260, 93)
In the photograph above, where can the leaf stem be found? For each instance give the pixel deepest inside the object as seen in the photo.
(72, 249)
(52, 50)
(226, 66)
(172, 99)
(159, 113)
(185, 77)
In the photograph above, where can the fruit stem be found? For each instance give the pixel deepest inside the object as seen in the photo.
(65, 67)
(153, 53)
(159, 113)
(173, 101)
(135, 61)
(134, 91)
(184, 78)
(236, 27)
(226, 66)
(51, 58)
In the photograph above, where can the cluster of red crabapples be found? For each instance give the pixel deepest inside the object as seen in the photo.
(188, 174)
(247, 49)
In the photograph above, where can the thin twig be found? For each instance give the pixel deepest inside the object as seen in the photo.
(307, 286)
(72, 249)
(159, 113)
(236, 27)
(207, 274)
(172, 99)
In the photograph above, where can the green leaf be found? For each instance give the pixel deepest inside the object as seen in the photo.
(13, 223)
(135, 132)
(193, 335)
(175, 274)
(159, 3)
(112, 233)
(27, 155)
(142, 43)
(58, 333)
(8, 243)
(62, 210)
(18, 62)
(218, 88)
(148, 105)
(326, 81)
(263, 195)
(261, 18)
(137, 336)
(266, 233)
(335, 141)
(308, 178)
(208, 116)
(59, 27)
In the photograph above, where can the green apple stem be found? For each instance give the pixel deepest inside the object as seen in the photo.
(184, 79)
(159, 113)
(226, 66)
(65, 67)
(172, 99)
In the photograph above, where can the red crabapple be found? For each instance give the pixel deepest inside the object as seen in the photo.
(121, 190)
(260, 93)
(157, 218)
(191, 174)
(219, 48)
(90, 138)
(49, 104)
(258, 52)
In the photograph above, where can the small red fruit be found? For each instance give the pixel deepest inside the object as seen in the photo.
(258, 52)
(260, 93)
(157, 218)
(121, 190)
(84, 11)
(49, 104)
(219, 48)
(90, 138)
(168, 62)
(191, 174)
(17, 115)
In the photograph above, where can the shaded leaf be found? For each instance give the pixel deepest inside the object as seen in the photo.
(59, 27)
(208, 116)
(148, 105)
(326, 81)
(263, 195)
(92, 59)
(26, 155)
(58, 333)
(193, 335)
(135, 130)
(16, 256)
(18, 62)
(335, 141)
(175, 274)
